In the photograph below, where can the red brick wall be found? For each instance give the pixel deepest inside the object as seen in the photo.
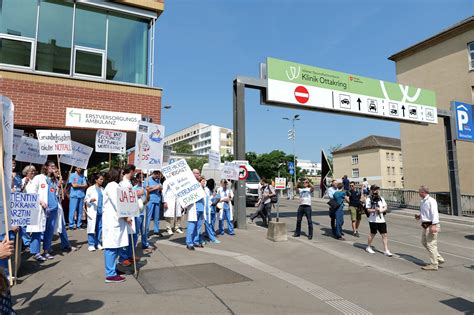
(44, 105)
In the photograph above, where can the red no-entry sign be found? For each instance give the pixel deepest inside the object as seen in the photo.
(301, 94)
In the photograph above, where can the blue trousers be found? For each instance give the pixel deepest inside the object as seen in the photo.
(51, 217)
(213, 219)
(192, 230)
(25, 236)
(230, 224)
(339, 222)
(198, 237)
(140, 228)
(35, 245)
(93, 239)
(75, 204)
(110, 259)
(152, 209)
(127, 252)
(210, 230)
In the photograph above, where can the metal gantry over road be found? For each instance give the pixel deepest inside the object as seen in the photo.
(298, 86)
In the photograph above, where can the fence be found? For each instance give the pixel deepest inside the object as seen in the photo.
(411, 200)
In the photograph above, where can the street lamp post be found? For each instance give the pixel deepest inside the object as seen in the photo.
(293, 137)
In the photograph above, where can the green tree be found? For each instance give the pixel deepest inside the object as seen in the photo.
(268, 164)
(182, 147)
(196, 162)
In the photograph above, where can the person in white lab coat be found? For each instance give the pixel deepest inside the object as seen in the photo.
(94, 201)
(46, 186)
(126, 254)
(172, 210)
(114, 229)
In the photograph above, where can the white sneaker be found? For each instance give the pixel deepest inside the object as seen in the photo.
(169, 231)
(369, 250)
(178, 230)
(99, 247)
(388, 253)
(91, 248)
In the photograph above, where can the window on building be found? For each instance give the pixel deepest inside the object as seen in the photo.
(392, 155)
(54, 36)
(393, 170)
(394, 183)
(400, 157)
(127, 48)
(388, 170)
(89, 41)
(355, 159)
(471, 55)
(355, 172)
(401, 171)
(387, 156)
(17, 32)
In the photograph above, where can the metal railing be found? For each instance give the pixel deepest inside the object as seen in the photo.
(411, 200)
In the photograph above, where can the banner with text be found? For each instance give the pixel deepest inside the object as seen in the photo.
(17, 134)
(24, 209)
(6, 141)
(54, 142)
(230, 171)
(149, 146)
(80, 155)
(183, 183)
(28, 151)
(127, 203)
(214, 160)
(110, 141)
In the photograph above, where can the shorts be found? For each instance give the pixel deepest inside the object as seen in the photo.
(380, 227)
(355, 213)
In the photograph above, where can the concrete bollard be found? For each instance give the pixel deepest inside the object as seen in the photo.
(277, 231)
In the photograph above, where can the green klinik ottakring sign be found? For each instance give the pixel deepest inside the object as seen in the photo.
(317, 88)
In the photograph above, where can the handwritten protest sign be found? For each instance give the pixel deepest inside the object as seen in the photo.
(110, 141)
(24, 209)
(6, 143)
(230, 171)
(80, 155)
(54, 141)
(28, 151)
(149, 146)
(127, 203)
(214, 160)
(183, 183)
(17, 134)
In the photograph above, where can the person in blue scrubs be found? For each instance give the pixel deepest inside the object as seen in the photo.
(95, 202)
(140, 220)
(340, 196)
(211, 185)
(209, 230)
(153, 189)
(76, 197)
(51, 209)
(225, 195)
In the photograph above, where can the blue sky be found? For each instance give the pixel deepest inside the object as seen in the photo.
(203, 45)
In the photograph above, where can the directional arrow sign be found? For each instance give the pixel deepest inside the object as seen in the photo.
(321, 89)
(72, 114)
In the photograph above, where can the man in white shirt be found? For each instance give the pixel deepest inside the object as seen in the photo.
(330, 193)
(377, 207)
(304, 209)
(429, 217)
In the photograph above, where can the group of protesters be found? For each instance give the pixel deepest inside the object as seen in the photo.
(95, 199)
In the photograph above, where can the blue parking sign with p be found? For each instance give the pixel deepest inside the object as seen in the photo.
(464, 121)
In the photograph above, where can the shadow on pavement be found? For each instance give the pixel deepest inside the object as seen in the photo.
(469, 237)
(412, 259)
(461, 305)
(31, 266)
(60, 304)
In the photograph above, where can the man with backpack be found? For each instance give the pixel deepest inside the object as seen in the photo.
(376, 209)
(266, 193)
(304, 209)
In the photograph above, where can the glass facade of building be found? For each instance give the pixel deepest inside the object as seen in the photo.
(75, 39)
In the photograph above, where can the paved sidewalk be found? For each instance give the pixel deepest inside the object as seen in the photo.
(294, 277)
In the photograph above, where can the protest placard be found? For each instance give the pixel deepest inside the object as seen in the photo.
(183, 183)
(24, 209)
(28, 151)
(17, 134)
(149, 146)
(54, 142)
(110, 141)
(127, 203)
(6, 143)
(214, 160)
(230, 171)
(280, 183)
(80, 155)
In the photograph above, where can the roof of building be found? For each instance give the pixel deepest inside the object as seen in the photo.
(371, 142)
(450, 32)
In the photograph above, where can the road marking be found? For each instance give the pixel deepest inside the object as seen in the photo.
(328, 297)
